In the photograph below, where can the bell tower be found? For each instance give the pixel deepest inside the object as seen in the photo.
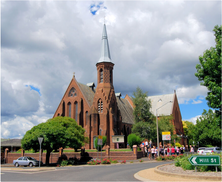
(104, 102)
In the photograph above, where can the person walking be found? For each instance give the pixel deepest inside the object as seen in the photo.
(168, 150)
(153, 152)
(156, 155)
(172, 150)
(192, 150)
(177, 150)
(149, 153)
(145, 150)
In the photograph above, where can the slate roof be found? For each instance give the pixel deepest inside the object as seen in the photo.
(88, 93)
(158, 101)
(12, 142)
(126, 110)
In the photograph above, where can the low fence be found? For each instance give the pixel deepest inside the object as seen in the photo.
(83, 156)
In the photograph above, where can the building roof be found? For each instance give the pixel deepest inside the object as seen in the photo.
(88, 92)
(11, 142)
(126, 110)
(105, 53)
(163, 103)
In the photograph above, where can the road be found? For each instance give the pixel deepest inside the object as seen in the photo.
(118, 172)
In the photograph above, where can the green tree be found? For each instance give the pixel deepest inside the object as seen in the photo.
(145, 130)
(133, 139)
(189, 131)
(142, 106)
(209, 71)
(56, 132)
(207, 130)
(165, 124)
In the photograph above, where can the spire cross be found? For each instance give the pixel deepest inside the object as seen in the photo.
(73, 74)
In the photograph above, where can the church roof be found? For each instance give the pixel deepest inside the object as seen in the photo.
(88, 92)
(105, 53)
(126, 110)
(163, 103)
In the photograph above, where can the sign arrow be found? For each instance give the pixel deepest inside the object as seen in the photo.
(194, 160)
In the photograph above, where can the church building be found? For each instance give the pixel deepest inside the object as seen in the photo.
(101, 111)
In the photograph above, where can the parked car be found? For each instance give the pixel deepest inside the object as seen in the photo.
(25, 161)
(211, 150)
(200, 150)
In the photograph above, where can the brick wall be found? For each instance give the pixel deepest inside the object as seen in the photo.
(125, 155)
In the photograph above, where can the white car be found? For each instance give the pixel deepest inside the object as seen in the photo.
(211, 150)
(200, 150)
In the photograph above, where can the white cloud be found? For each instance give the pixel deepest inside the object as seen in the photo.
(153, 47)
(193, 119)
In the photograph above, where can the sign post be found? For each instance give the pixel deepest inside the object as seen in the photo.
(40, 153)
(198, 160)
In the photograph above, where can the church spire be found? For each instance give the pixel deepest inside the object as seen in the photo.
(105, 54)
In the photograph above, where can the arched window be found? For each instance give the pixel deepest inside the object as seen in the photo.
(86, 117)
(100, 106)
(72, 92)
(101, 75)
(69, 109)
(76, 111)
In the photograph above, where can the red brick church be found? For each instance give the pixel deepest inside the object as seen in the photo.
(100, 110)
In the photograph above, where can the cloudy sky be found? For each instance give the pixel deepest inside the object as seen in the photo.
(155, 45)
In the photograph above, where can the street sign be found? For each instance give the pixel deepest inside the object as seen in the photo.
(100, 137)
(100, 142)
(40, 140)
(199, 160)
(166, 133)
(166, 137)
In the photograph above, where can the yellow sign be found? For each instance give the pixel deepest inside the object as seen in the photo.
(166, 133)
(100, 137)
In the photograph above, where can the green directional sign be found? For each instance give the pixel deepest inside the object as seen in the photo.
(199, 160)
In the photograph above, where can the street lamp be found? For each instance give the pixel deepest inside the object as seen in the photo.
(157, 130)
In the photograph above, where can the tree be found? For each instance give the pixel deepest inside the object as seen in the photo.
(165, 124)
(209, 71)
(142, 107)
(189, 131)
(207, 130)
(133, 139)
(56, 132)
(145, 130)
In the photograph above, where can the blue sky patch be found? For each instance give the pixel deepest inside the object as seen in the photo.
(96, 7)
(34, 88)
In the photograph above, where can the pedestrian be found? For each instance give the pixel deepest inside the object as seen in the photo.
(192, 150)
(153, 152)
(149, 152)
(172, 150)
(156, 154)
(181, 150)
(145, 149)
(165, 150)
(146, 143)
(177, 150)
(168, 150)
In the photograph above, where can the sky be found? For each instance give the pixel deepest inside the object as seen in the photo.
(155, 45)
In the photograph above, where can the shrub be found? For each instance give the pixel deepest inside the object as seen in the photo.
(106, 161)
(114, 161)
(98, 147)
(94, 162)
(141, 160)
(123, 162)
(133, 139)
(178, 145)
(64, 163)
